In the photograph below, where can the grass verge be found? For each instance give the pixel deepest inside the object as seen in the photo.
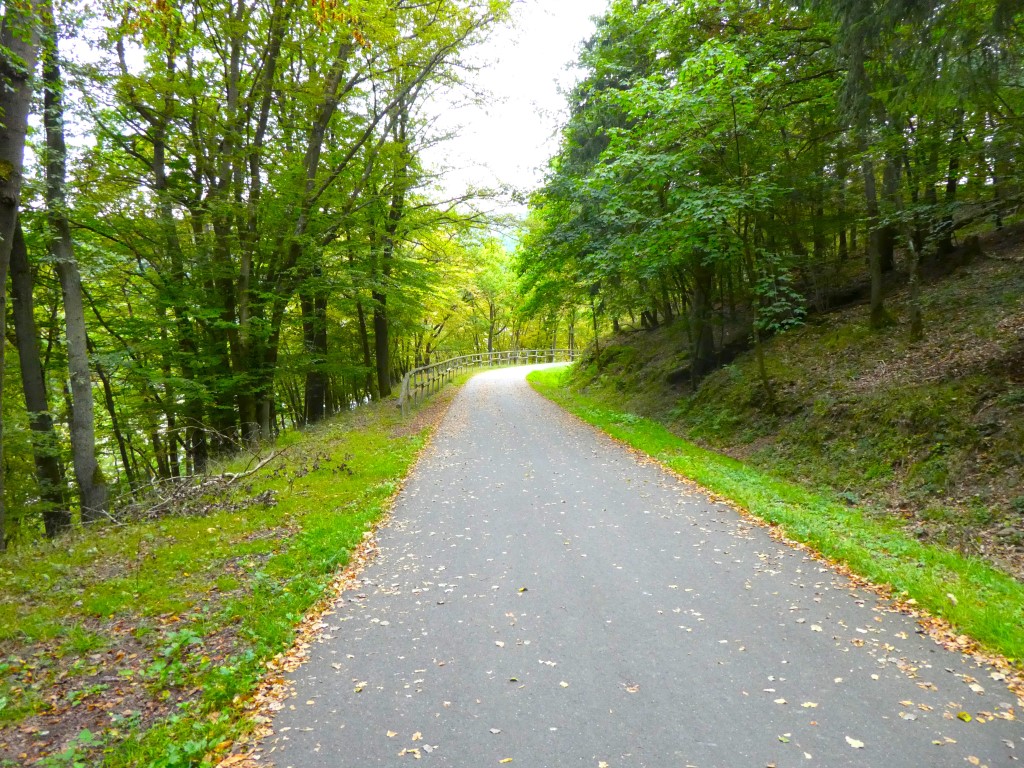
(987, 604)
(138, 645)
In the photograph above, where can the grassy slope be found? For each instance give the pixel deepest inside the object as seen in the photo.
(977, 599)
(929, 434)
(138, 645)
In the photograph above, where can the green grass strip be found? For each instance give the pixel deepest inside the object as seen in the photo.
(212, 597)
(988, 605)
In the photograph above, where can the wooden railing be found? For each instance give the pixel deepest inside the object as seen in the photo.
(424, 381)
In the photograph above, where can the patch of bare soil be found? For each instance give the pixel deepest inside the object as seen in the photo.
(114, 691)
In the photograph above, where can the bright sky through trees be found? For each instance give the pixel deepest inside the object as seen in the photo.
(523, 68)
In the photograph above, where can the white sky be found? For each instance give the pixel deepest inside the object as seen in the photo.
(509, 139)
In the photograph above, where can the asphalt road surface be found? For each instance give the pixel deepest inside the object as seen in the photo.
(544, 598)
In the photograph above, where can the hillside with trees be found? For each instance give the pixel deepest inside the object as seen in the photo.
(737, 179)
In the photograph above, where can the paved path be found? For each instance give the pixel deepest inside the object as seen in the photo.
(543, 596)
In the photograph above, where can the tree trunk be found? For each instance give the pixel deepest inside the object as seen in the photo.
(45, 444)
(92, 485)
(702, 353)
(842, 173)
(115, 426)
(879, 317)
(381, 344)
(887, 234)
(313, 303)
(396, 211)
(19, 38)
(364, 342)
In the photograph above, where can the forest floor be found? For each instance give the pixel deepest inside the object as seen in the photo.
(141, 643)
(928, 433)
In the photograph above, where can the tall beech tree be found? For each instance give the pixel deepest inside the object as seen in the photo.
(92, 485)
(19, 40)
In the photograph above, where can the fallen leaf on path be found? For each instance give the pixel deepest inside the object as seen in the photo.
(855, 743)
(564, 684)
(391, 734)
(417, 736)
(809, 704)
(964, 716)
(506, 760)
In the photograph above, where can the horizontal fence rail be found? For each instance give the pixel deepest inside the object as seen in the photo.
(425, 380)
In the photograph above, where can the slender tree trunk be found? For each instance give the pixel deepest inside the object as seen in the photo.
(381, 343)
(396, 210)
(879, 316)
(115, 426)
(887, 234)
(702, 353)
(364, 342)
(911, 237)
(45, 444)
(843, 170)
(169, 405)
(19, 39)
(492, 321)
(666, 301)
(313, 303)
(92, 485)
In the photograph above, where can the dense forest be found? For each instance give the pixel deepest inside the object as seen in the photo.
(216, 221)
(737, 164)
(217, 224)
